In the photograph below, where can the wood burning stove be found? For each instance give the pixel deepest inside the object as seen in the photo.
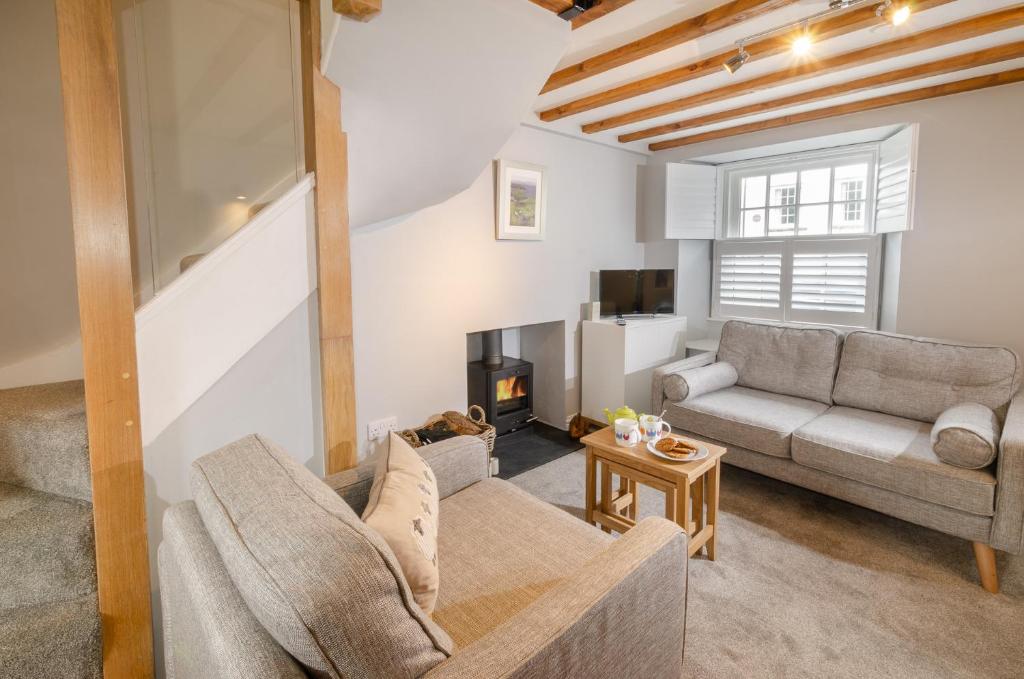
(502, 386)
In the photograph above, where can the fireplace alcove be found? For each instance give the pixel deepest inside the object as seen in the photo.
(518, 375)
(501, 385)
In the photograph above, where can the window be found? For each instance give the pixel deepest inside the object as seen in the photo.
(796, 239)
(817, 195)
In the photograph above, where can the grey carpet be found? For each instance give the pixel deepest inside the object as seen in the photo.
(49, 621)
(47, 548)
(51, 641)
(808, 586)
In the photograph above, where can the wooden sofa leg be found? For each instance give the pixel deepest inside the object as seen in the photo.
(986, 558)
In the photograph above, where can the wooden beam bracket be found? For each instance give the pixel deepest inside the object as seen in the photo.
(360, 10)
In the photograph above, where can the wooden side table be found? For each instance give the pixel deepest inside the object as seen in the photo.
(688, 487)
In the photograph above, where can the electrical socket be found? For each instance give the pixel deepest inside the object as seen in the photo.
(378, 429)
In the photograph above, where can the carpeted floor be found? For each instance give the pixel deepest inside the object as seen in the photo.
(808, 586)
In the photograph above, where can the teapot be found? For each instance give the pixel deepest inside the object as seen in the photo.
(625, 412)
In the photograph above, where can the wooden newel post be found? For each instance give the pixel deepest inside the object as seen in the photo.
(99, 210)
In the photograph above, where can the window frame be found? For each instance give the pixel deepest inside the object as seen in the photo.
(731, 175)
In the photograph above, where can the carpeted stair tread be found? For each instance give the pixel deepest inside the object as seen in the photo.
(52, 640)
(47, 551)
(43, 440)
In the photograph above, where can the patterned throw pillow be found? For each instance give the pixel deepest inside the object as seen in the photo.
(403, 508)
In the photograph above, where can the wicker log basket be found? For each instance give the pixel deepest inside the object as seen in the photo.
(473, 423)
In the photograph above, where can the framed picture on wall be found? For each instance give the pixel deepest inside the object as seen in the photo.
(521, 198)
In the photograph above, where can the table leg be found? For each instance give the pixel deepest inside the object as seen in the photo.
(591, 491)
(713, 476)
(634, 508)
(683, 506)
(670, 504)
(698, 504)
(606, 494)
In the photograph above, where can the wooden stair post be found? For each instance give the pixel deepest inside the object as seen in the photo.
(327, 156)
(99, 213)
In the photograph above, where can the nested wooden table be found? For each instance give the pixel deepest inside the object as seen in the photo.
(688, 487)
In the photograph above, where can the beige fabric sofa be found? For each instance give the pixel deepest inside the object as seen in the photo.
(269, 558)
(851, 417)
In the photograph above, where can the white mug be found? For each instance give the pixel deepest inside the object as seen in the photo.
(627, 432)
(653, 428)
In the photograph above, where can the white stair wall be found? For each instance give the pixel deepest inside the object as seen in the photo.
(200, 325)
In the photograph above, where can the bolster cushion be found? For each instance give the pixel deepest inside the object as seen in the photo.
(967, 436)
(689, 384)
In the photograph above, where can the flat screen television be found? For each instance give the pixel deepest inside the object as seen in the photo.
(637, 292)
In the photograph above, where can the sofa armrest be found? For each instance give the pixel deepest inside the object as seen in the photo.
(1008, 523)
(661, 372)
(623, 614)
(456, 462)
(353, 485)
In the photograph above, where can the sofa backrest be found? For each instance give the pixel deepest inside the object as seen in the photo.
(208, 630)
(918, 378)
(324, 585)
(784, 359)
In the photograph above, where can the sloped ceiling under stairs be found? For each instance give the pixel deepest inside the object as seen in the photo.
(431, 90)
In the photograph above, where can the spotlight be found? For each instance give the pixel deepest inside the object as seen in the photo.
(900, 16)
(735, 62)
(802, 45)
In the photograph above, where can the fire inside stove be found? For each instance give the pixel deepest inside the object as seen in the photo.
(511, 388)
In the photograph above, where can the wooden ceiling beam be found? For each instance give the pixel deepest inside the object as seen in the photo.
(936, 37)
(992, 55)
(830, 27)
(556, 6)
(958, 87)
(713, 20)
(360, 10)
(601, 8)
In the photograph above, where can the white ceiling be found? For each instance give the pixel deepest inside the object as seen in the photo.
(644, 17)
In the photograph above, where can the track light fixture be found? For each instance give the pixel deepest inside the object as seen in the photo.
(736, 61)
(896, 12)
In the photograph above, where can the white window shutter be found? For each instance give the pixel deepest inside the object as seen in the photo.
(835, 281)
(748, 279)
(897, 170)
(691, 201)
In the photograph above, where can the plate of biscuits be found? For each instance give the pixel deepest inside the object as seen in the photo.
(676, 450)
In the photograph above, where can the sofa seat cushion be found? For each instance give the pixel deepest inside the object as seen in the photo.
(500, 549)
(783, 359)
(893, 453)
(759, 420)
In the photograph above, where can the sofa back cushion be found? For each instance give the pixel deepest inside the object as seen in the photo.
(919, 378)
(782, 359)
(325, 586)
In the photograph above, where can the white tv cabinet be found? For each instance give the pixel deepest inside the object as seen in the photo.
(619, 360)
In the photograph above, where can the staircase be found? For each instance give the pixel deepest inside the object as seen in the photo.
(49, 622)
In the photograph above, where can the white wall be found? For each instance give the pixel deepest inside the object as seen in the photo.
(421, 283)
(960, 272)
(38, 295)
